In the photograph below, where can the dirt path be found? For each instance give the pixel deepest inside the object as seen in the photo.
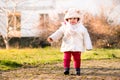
(90, 70)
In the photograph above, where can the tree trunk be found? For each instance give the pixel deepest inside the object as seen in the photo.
(7, 44)
(6, 41)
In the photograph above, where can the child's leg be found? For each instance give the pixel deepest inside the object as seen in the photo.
(67, 59)
(77, 61)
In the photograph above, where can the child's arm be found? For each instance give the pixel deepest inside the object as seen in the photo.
(56, 35)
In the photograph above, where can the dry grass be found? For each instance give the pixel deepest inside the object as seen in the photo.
(102, 34)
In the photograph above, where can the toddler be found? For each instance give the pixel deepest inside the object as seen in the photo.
(75, 39)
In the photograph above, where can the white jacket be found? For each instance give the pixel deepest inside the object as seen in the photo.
(74, 37)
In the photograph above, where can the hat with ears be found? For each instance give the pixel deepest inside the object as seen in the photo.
(72, 13)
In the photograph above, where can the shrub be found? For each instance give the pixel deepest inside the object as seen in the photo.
(102, 34)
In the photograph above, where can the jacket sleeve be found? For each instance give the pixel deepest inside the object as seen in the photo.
(58, 34)
(87, 40)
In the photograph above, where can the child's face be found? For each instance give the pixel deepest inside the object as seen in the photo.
(73, 21)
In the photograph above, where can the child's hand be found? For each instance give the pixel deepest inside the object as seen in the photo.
(49, 39)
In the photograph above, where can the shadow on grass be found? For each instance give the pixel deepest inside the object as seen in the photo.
(10, 64)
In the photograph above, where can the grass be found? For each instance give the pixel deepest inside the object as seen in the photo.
(101, 54)
(15, 58)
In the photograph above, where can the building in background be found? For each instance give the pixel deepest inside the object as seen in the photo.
(23, 18)
(29, 18)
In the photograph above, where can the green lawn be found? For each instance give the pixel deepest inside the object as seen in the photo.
(15, 58)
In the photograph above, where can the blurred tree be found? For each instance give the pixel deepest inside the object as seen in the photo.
(9, 20)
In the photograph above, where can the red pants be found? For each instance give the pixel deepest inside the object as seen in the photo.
(76, 58)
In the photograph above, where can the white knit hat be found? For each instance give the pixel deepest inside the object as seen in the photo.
(72, 13)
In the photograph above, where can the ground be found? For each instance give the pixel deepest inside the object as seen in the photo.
(108, 69)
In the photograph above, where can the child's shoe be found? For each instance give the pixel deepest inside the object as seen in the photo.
(78, 71)
(66, 72)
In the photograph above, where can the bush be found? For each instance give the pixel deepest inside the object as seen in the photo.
(102, 34)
